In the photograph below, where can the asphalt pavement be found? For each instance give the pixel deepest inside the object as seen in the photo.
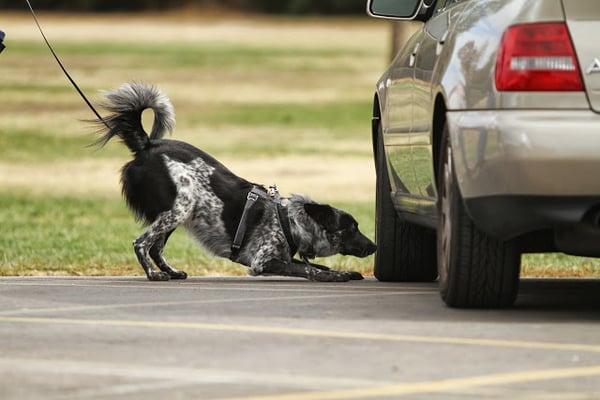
(268, 338)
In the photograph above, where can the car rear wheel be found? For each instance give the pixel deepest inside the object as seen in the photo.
(475, 269)
(405, 252)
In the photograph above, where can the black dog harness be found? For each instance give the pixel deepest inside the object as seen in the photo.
(255, 195)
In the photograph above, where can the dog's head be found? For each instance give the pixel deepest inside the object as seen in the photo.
(325, 230)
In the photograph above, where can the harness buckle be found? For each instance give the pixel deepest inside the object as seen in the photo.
(252, 196)
(2, 47)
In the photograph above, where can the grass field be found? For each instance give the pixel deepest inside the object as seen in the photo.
(284, 101)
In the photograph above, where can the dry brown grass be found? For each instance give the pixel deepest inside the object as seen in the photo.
(195, 27)
(327, 179)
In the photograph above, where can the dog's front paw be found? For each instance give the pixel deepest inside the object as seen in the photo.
(354, 276)
(180, 275)
(330, 276)
(159, 276)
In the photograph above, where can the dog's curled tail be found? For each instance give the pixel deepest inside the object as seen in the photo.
(126, 105)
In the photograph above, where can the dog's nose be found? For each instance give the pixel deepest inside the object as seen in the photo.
(372, 248)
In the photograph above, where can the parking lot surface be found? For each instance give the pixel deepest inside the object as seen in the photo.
(269, 338)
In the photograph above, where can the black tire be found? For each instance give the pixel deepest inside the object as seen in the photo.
(475, 269)
(405, 252)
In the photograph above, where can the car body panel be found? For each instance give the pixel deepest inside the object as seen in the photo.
(432, 38)
(526, 152)
(467, 65)
(583, 19)
(397, 114)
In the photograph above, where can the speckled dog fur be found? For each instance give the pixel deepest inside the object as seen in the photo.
(169, 184)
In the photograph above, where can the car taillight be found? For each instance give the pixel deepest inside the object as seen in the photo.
(538, 57)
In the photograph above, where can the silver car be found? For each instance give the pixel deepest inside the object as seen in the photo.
(486, 134)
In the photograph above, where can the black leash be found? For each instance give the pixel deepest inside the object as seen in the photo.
(83, 96)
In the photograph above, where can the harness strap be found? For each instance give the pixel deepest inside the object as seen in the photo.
(282, 215)
(252, 198)
(284, 221)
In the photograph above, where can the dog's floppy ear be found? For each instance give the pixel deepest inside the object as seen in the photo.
(322, 214)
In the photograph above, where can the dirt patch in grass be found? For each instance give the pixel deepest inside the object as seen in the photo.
(177, 27)
(326, 179)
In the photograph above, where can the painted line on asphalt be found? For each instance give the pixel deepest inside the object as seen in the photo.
(127, 389)
(214, 286)
(200, 287)
(438, 386)
(303, 332)
(193, 302)
(180, 374)
(519, 393)
(367, 284)
(300, 284)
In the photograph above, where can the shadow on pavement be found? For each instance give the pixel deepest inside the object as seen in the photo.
(577, 295)
(545, 300)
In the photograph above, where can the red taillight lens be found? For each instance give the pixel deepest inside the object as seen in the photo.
(538, 57)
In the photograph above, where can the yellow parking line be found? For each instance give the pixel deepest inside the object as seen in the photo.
(440, 386)
(181, 374)
(272, 330)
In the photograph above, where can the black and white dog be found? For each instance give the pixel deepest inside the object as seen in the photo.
(171, 183)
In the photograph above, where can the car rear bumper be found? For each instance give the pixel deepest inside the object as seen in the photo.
(507, 217)
(524, 170)
(545, 153)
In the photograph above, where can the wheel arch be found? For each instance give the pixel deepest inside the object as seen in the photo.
(375, 123)
(437, 131)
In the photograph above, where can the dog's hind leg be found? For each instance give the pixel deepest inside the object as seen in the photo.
(164, 223)
(302, 270)
(156, 253)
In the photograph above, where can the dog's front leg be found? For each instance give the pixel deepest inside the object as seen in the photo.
(352, 275)
(302, 270)
(317, 266)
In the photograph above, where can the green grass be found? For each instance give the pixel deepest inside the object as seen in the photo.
(213, 51)
(214, 55)
(26, 145)
(559, 265)
(339, 118)
(78, 236)
(62, 235)
(37, 87)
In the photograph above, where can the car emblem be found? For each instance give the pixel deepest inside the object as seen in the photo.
(595, 67)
